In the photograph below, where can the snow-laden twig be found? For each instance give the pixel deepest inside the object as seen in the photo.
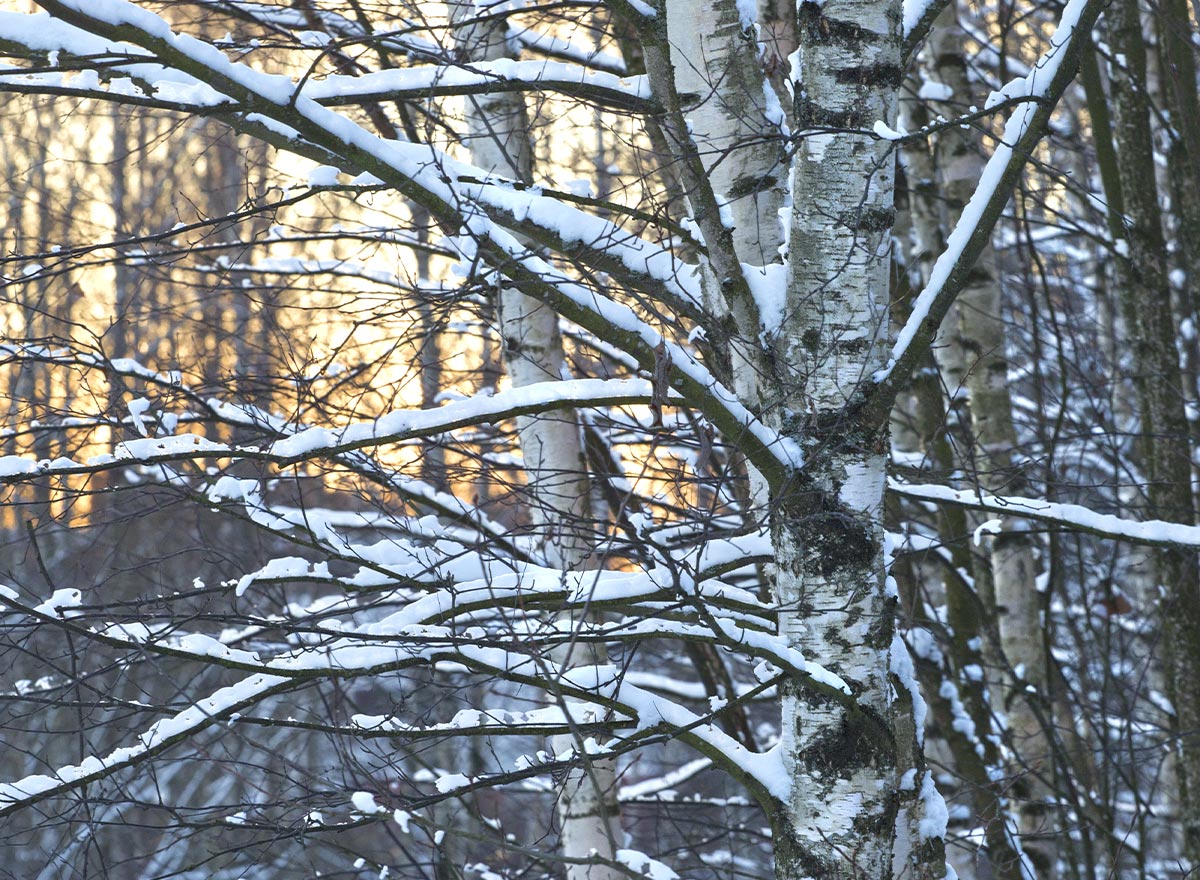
(431, 179)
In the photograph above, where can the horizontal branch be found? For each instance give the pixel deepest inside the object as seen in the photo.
(504, 75)
(314, 443)
(1155, 533)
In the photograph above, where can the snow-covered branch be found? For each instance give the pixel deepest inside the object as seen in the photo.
(1076, 517)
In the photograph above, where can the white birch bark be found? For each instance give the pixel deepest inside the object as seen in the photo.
(735, 121)
(840, 757)
(498, 140)
(840, 818)
(734, 117)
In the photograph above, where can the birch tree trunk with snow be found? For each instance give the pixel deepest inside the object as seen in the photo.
(800, 343)
(817, 347)
(825, 340)
(498, 139)
(735, 118)
(841, 760)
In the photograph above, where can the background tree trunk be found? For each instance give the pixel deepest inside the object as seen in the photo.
(1165, 446)
(552, 448)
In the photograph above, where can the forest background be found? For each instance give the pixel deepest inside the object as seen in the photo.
(599, 439)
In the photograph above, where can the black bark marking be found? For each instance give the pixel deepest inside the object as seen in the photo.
(835, 541)
(858, 741)
(868, 219)
(750, 184)
(790, 851)
(809, 114)
(858, 345)
(871, 75)
(818, 28)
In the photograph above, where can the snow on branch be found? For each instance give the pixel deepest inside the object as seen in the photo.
(624, 93)
(218, 706)
(919, 16)
(408, 637)
(567, 49)
(284, 19)
(208, 411)
(431, 179)
(477, 625)
(403, 424)
(551, 221)
(1156, 533)
(394, 427)
(236, 87)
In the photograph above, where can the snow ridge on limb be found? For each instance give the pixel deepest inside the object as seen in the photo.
(919, 16)
(406, 44)
(625, 93)
(313, 442)
(420, 633)
(1155, 533)
(237, 89)
(215, 410)
(218, 706)
(482, 409)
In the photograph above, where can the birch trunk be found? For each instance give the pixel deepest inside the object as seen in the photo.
(732, 111)
(499, 143)
(734, 118)
(840, 757)
(840, 818)
(980, 338)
